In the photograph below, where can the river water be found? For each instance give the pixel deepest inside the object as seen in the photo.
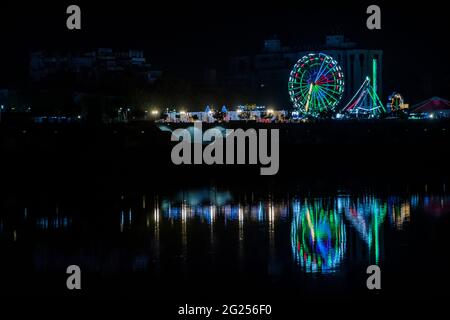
(212, 242)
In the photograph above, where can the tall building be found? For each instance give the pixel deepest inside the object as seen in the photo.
(92, 65)
(267, 72)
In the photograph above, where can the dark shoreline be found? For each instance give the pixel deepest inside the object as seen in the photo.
(140, 152)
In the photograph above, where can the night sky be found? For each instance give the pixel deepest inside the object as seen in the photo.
(182, 37)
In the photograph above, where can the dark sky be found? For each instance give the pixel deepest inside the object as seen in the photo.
(187, 35)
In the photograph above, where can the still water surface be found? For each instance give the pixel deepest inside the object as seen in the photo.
(213, 242)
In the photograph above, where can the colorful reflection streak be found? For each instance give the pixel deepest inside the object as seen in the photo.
(399, 212)
(366, 215)
(318, 236)
(323, 235)
(208, 206)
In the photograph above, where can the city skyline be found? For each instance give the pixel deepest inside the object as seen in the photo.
(185, 43)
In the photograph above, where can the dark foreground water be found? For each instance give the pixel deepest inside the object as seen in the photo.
(213, 243)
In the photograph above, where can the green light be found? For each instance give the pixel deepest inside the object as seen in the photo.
(377, 244)
(374, 80)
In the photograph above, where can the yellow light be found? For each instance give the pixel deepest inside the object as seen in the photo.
(155, 112)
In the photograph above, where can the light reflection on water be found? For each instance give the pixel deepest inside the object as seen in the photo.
(318, 235)
(323, 235)
(318, 226)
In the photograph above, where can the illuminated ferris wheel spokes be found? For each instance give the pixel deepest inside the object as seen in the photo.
(316, 84)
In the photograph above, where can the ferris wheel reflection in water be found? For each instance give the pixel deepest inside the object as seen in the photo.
(319, 228)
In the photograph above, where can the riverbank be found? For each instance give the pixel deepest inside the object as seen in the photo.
(141, 151)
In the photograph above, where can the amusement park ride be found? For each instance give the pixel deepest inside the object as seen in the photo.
(396, 103)
(316, 85)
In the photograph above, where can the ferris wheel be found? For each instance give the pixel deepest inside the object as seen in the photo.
(316, 84)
